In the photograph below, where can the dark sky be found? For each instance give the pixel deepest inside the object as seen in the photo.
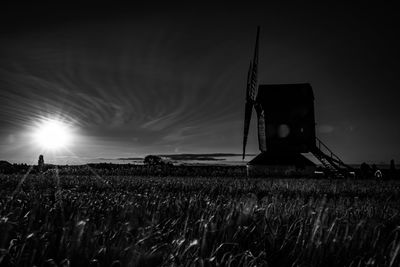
(142, 79)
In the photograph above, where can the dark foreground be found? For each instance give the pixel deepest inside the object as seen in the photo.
(130, 221)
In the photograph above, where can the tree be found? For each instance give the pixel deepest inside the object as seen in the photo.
(152, 160)
(6, 167)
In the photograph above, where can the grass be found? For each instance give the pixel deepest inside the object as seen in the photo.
(136, 221)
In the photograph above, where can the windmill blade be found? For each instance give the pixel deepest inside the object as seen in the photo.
(254, 91)
(248, 84)
(262, 142)
(248, 111)
(251, 92)
(247, 119)
(254, 70)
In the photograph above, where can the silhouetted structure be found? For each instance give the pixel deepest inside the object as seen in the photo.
(365, 171)
(392, 170)
(392, 165)
(41, 164)
(286, 128)
(289, 117)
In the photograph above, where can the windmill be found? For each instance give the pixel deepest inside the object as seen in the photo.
(286, 127)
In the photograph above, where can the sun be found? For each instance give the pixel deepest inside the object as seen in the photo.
(52, 134)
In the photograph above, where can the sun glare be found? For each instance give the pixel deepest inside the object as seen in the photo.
(52, 135)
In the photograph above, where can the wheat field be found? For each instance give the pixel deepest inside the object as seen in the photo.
(66, 220)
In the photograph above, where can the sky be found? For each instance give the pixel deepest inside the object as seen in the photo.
(163, 79)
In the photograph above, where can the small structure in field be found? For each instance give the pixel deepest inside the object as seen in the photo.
(41, 164)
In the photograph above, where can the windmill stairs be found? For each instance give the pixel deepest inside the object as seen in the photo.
(334, 166)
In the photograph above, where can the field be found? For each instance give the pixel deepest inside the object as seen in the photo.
(65, 220)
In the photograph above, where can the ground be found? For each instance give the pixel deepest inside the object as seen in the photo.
(65, 220)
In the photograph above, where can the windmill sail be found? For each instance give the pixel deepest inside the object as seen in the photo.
(251, 92)
(247, 112)
(254, 72)
(262, 142)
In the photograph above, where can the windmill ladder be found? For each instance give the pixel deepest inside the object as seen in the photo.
(334, 166)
